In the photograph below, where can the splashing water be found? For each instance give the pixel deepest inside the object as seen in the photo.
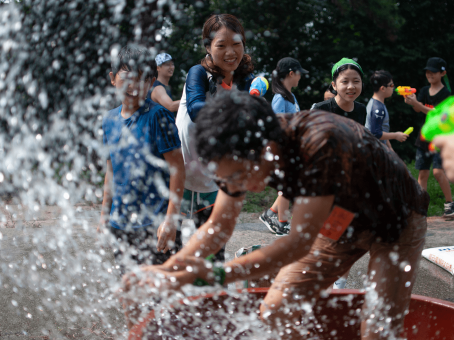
(58, 276)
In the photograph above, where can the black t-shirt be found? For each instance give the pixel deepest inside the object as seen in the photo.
(358, 114)
(426, 99)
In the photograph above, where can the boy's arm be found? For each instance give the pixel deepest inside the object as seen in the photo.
(446, 144)
(168, 229)
(399, 136)
(107, 198)
(417, 105)
(160, 96)
(309, 214)
(389, 145)
(212, 235)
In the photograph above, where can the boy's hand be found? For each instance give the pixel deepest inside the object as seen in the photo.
(167, 231)
(401, 137)
(446, 144)
(190, 268)
(102, 225)
(411, 100)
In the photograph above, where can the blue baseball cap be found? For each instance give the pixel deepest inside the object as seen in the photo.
(162, 58)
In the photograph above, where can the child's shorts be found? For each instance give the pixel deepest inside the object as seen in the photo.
(424, 159)
(195, 202)
(198, 206)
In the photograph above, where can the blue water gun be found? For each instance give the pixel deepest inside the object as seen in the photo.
(259, 86)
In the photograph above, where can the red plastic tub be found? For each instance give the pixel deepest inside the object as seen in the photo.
(428, 318)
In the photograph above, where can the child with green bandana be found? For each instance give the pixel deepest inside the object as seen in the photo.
(347, 85)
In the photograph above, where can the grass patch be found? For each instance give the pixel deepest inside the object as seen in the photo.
(437, 199)
(259, 202)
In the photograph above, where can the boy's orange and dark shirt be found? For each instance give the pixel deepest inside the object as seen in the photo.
(327, 154)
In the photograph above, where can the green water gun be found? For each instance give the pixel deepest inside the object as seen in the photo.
(439, 122)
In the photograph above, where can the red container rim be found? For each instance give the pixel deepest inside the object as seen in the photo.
(136, 331)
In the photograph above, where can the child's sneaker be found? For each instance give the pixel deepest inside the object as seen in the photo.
(284, 228)
(340, 283)
(449, 210)
(271, 223)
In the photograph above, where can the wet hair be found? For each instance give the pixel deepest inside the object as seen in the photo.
(279, 88)
(342, 69)
(210, 27)
(379, 79)
(236, 124)
(135, 58)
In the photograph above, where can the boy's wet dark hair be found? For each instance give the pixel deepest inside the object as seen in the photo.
(342, 69)
(379, 79)
(135, 58)
(236, 124)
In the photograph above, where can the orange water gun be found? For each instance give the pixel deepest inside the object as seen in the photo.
(405, 90)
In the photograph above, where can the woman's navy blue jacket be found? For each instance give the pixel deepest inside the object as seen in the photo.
(198, 83)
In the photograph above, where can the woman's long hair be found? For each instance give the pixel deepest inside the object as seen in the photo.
(210, 27)
(279, 88)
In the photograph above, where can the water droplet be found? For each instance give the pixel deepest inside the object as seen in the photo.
(268, 156)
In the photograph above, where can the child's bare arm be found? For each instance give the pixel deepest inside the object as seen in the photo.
(211, 236)
(309, 214)
(399, 136)
(107, 198)
(389, 145)
(417, 106)
(160, 96)
(167, 230)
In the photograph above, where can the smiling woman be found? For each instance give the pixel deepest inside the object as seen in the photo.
(225, 42)
(224, 67)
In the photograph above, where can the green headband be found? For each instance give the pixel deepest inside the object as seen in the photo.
(345, 61)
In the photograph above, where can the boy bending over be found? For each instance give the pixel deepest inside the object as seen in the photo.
(333, 170)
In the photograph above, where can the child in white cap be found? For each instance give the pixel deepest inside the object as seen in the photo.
(160, 93)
